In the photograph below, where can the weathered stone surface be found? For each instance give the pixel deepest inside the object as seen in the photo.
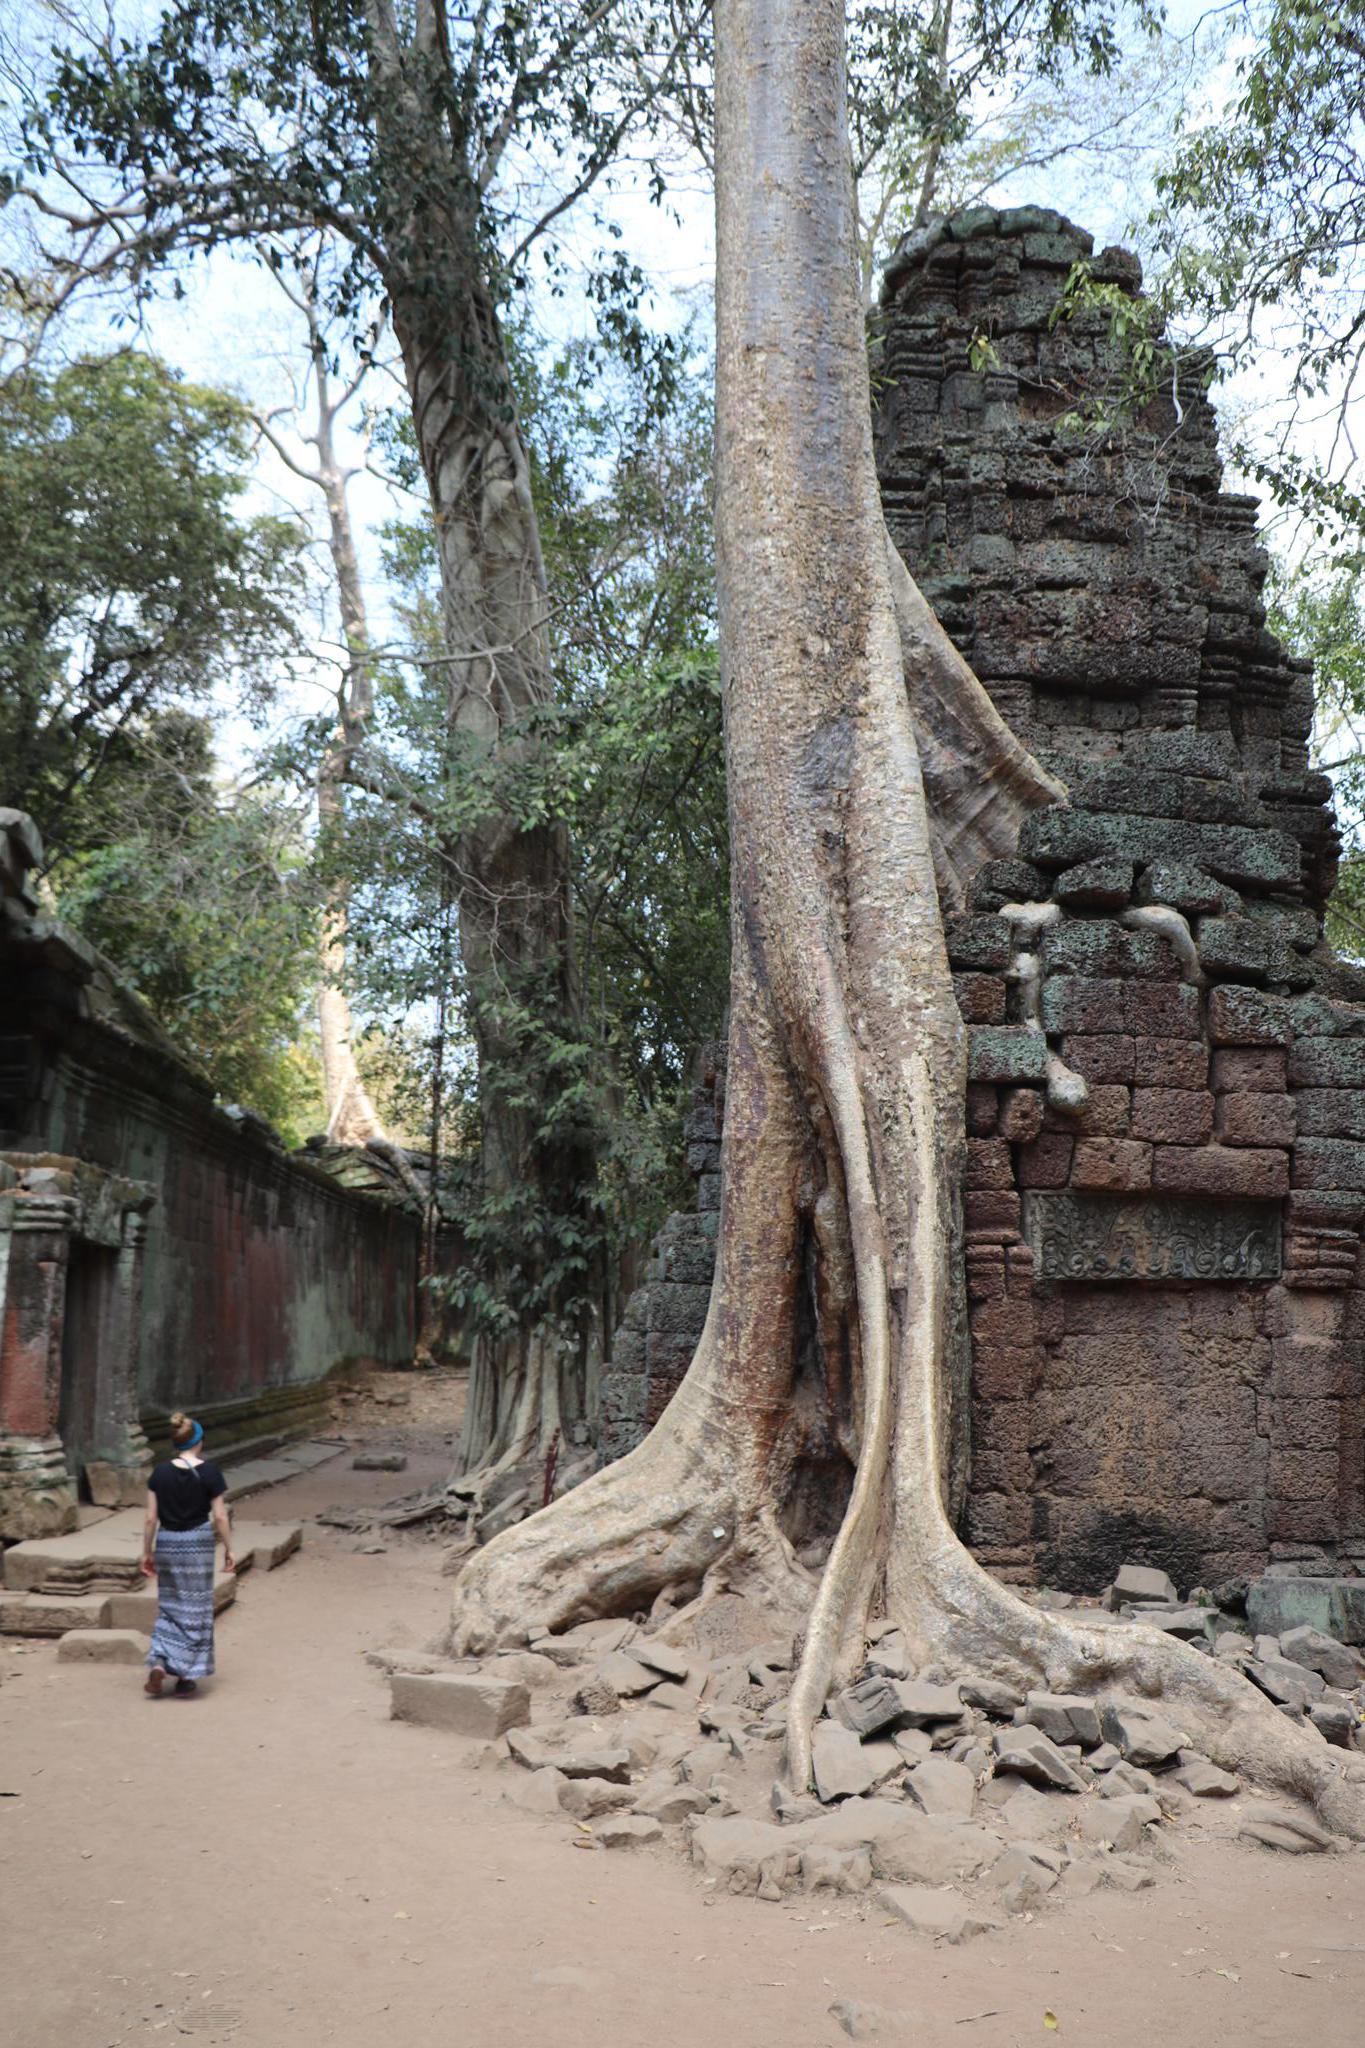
(628, 1831)
(1095, 885)
(942, 1789)
(1274, 1605)
(1064, 1717)
(379, 1461)
(1123, 1779)
(1144, 1738)
(625, 1674)
(869, 1705)
(943, 1914)
(661, 1657)
(1335, 1662)
(103, 1646)
(1248, 1016)
(485, 1707)
(923, 1703)
(585, 1798)
(1282, 1827)
(662, 1800)
(1005, 1053)
(1283, 1681)
(827, 1869)
(1077, 1236)
(569, 1750)
(1028, 1752)
(1122, 1823)
(1205, 1780)
(751, 1855)
(42, 1614)
(841, 1766)
(1112, 1165)
(992, 1695)
(915, 1848)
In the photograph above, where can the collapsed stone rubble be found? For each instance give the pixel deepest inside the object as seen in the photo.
(946, 1802)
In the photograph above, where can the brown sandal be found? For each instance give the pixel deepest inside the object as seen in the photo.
(156, 1678)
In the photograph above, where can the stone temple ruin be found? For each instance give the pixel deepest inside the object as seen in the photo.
(1164, 1263)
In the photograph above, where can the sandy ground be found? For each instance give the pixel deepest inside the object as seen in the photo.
(278, 1863)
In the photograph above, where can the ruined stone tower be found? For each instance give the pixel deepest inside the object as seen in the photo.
(1166, 1112)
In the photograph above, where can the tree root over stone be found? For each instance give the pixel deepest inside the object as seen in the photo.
(831, 1377)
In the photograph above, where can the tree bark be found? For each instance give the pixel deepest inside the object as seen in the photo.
(832, 1367)
(522, 987)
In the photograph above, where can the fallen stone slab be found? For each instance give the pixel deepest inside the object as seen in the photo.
(750, 1855)
(306, 1456)
(1336, 1663)
(842, 1769)
(585, 1798)
(923, 1703)
(266, 1545)
(992, 1695)
(380, 1461)
(1232, 1645)
(663, 1658)
(1276, 1605)
(103, 1646)
(1104, 1758)
(1141, 1582)
(700, 1765)
(1122, 1823)
(664, 1800)
(942, 1789)
(942, 1914)
(536, 1791)
(924, 1850)
(477, 1706)
(1027, 1870)
(1287, 1683)
(1335, 1722)
(912, 1745)
(628, 1831)
(1281, 1827)
(1205, 1780)
(1063, 1717)
(868, 1706)
(1191, 1624)
(46, 1614)
(1126, 1778)
(1029, 1753)
(577, 1756)
(889, 1657)
(1142, 1737)
(625, 1674)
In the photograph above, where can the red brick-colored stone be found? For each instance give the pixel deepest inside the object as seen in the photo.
(980, 998)
(1161, 1009)
(1243, 1070)
(982, 1107)
(990, 1214)
(1104, 1114)
(1117, 1164)
(1046, 1163)
(1104, 1059)
(1217, 1170)
(1256, 1119)
(1021, 1114)
(1001, 1373)
(988, 1163)
(1173, 1116)
(1170, 1063)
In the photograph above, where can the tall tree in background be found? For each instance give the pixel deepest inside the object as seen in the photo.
(439, 146)
(845, 1103)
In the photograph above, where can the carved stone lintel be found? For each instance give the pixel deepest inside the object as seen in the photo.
(1078, 1236)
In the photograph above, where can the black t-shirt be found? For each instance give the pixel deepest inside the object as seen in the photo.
(184, 1493)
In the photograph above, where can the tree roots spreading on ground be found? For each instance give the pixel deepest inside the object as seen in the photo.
(826, 1392)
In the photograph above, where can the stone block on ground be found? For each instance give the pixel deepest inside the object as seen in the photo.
(663, 1658)
(103, 1646)
(536, 1791)
(1287, 1683)
(1335, 1662)
(942, 1789)
(1281, 1827)
(1126, 1778)
(922, 1703)
(1143, 1737)
(466, 1705)
(569, 1750)
(921, 1849)
(584, 1798)
(1204, 1779)
(1141, 1583)
(871, 1704)
(1123, 1823)
(1275, 1605)
(662, 1799)
(1064, 1717)
(841, 1767)
(625, 1674)
(750, 1855)
(1029, 1753)
(380, 1461)
(265, 1545)
(46, 1614)
(944, 1914)
(628, 1831)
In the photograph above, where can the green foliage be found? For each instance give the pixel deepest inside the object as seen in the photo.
(131, 586)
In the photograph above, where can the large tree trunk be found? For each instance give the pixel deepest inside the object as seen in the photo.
(829, 1376)
(352, 1118)
(515, 912)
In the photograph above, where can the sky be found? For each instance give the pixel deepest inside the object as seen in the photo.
(233, 327)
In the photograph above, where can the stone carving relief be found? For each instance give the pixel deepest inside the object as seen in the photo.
(1117, 1237)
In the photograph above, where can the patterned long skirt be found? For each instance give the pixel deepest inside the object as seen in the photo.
(182, 1641)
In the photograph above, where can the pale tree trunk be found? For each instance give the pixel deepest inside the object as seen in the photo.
(844, 1135)
(352, 1118)
(512, 882)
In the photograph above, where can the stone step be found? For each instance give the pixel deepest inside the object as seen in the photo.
(93, 1576)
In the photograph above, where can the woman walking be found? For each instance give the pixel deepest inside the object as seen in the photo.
(186, 1512)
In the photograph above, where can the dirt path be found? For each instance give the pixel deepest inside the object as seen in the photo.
(278, 1865)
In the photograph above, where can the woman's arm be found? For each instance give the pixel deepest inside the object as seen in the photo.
(223, 1530)
(148, 1565)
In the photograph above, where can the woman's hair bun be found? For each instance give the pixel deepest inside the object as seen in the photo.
(180, 1427)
